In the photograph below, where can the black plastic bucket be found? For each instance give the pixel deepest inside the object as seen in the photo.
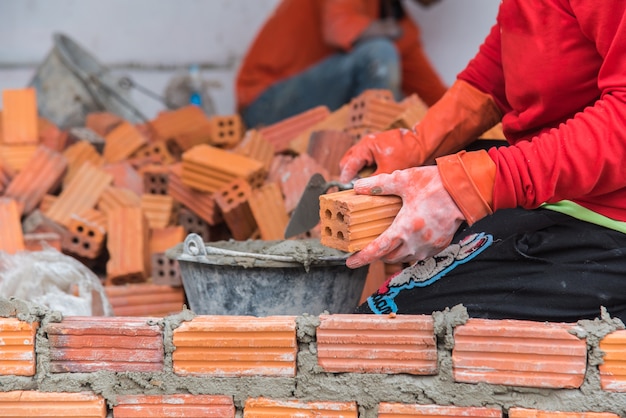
(264, 278)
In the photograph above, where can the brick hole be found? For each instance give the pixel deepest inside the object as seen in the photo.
(231, 133)
(75, 240)
(160, 261)
(80, 229)
(220, 123)
(163, 180)
(154, 191)
(172, 273)
(340, 235)
(161, 273)
(340, 217)
(91, 233)
(86, 246)
(157, 150)
(362, 103)
(230, 201)
(241, 194)
(231, 122)
(221, 135)
(328, 214)
(328, 232)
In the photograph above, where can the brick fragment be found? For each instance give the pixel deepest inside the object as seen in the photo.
(80, 194)
(265, 407)
(22, 403)
(125, 175)
(90, 344)
(159, 210)
(201, 203)
(377, 344)
(12, 237)
(233, 203)
(145, 299)
(187, 127)
(327, 147)
(42, 175)
(208, 168)
(399, 410)
(254, 146)
(19, 116)
(178, 405)
(17, 347)
(128, 246)
(295, 178)
(268, 208)
(124, 140)
(518, 353)
(350, 221)
(280, 134)
(235, 346)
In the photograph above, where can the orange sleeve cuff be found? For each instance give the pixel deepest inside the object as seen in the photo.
(469, 178)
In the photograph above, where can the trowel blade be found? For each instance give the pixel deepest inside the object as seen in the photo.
(307, 212)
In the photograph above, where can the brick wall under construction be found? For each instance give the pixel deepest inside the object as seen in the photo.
(185, 365)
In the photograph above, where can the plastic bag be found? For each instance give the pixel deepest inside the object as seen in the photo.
(55, 280)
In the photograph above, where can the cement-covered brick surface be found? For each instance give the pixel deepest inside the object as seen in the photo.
(374, 393)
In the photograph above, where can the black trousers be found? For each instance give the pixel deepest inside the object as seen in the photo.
(516, 264)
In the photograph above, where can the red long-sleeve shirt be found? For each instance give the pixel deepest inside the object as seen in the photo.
(557, 70)
(301, 33)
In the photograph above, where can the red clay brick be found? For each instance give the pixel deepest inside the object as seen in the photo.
(42, 175)
(186, 127)
(22, 403)
(12, 237)
(80, 194)
(327, 147)
(233, 203)
(162, 239)
(336, 121)
(209, 168)
(17, 347)
(376, 114)
(234, 346)
(155, 178)
(51, 136)
(613, 370)
(280, 134)
(165, 271)
(226, 131)
(156, 151)
(268, 208)
(202, 204)
(17, 156)
(350, 221)
(79, 153)
(399, 410)
(38, 241)
(115, 197)
(194, 223)
(125, 175)
(87, 232)
(536, 413)
(19, 116)
(6, 174)
(102, 122)
(145, 299)
(122, 142)
(90, 344)
(254, 146)
(414, 111)
(159, 210)
(377, 344)
(264, 407)
(295, 178)
(518, 353)
(179, 405)
(128, 246)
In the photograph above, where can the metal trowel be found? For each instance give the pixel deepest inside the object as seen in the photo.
(307, 212)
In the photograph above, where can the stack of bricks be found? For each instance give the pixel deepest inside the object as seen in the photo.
(117, 195)
(332, 365)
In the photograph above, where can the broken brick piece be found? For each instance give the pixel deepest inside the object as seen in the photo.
(296, 177)
(280, 134)
(155, 178)
(226, 131)
(254, 146)
(124, 140)
(177, 405)
(11, 236)
(209, 168)
(145, 299)
(350, 221)
(377, 344)
(327, 147)
(17, 347)
(19, 116)
(268, 208)
(80, 194)
(128, 246)
(519, 353)
(159, 210)
(90, 344)
(261, 407)
(236, 346)
(42, 175)
(233, 203)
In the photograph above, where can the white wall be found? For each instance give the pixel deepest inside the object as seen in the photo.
(150, 40)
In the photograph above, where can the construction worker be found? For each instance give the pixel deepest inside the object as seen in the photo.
(533, 230)
(325, 52)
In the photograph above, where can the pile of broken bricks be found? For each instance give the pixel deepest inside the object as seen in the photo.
(117, 195)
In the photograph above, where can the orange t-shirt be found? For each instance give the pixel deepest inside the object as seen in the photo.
(301, 33)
